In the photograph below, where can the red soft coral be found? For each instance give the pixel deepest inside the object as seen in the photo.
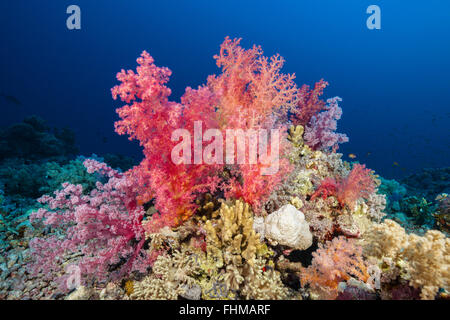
(255, 188)
(253, 94)
(328, 187)
(250, 94)
(151, 119)
(309, 103)
(358, 184)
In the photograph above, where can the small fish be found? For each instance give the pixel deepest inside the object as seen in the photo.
(267, 268)
(11, 99)
(352, 156)
(368, 154)
(395, 164)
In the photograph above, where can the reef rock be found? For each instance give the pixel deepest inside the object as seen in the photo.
(287, 226)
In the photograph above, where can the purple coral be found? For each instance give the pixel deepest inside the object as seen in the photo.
(104, 227)
(320, 132)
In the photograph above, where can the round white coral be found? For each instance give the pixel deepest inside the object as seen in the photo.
(287, 226)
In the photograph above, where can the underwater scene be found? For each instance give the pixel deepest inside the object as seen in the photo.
(238, 150)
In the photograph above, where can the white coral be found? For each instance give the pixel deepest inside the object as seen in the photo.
(287, 226)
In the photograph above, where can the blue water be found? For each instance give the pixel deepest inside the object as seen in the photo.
(394, 82)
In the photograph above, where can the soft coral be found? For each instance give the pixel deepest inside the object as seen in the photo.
(151, 119)
(358, 184)
(336, 261)
(105, 226)
(308, 103)
(250, 94)
(254, 94)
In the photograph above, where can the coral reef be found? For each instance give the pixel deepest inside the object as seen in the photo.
(232, 244)
(442, 214)
(415, 213)
(33, 139)
(422, 261)
(101, 226)
(335, 262)
(171, 277)
(183, 225)
(429, 182)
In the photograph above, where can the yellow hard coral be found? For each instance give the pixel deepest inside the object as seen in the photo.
(234, 233)
(303, 183)
(296, 135)
(233, 244)
(297, 202)
(129, 287)
(264, 283)
(171, 274)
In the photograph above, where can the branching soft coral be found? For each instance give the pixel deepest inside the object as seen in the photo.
(253, 94)
(151, 119)
(250, 94)
(105, 226)
(308, 104)
(252, 89)
(255, 188)
(336, 261)
(320, 132)
(358, 184)
(328, 187)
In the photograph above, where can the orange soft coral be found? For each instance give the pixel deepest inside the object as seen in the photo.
(251, 87)
(336, 261)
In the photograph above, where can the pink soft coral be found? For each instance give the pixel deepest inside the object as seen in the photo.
(105, 226)
(309, 104)
(250, 94)
(320, 132)
(336, 261)
(358, 184)
(251, 86)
